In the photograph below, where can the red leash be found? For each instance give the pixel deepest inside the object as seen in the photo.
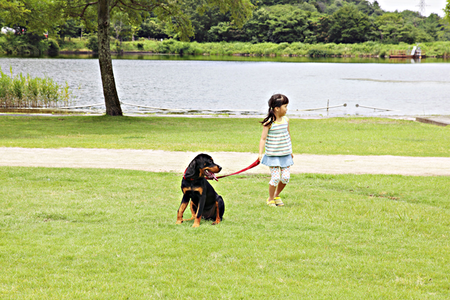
(254, 164)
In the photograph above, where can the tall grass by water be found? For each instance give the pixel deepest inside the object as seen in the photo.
(27, 92)
(367, 49)
(171, 46)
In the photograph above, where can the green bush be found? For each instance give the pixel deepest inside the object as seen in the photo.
(53, 48)
(13, 45)
(315, 52)
(92, 43)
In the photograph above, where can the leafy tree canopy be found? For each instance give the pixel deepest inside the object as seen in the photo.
(39, 16)
(349, 25)
(447, 11)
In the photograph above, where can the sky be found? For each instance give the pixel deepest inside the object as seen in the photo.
(432, 6)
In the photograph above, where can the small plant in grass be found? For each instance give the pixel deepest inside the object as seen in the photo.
(27, 92)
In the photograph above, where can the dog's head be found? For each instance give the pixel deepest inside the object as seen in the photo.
(202, 165)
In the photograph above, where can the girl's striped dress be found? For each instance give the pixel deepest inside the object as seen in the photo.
(278, 145)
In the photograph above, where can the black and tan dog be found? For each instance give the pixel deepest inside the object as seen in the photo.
(205, 202)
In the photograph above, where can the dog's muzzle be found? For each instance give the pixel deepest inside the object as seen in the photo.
(211, 175)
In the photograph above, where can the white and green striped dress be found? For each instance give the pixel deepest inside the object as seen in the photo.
(278, 142)
(278, 145)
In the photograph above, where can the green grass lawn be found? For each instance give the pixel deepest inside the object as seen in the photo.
(111, 234)
(359, 136)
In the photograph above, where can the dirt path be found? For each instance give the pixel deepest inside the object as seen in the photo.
(164, 161)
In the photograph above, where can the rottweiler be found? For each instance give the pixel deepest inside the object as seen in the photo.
(205, 202)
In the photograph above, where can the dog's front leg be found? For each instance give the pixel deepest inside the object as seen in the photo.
(201, 205)
(182, 208)
(192, 212)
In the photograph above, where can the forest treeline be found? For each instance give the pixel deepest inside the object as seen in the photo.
(287, 21)
(272, 22)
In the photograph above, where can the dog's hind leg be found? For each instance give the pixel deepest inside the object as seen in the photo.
(220, 209)
(217, 221)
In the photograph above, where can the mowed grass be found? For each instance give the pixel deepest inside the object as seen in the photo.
(358, 136)
(111, 234)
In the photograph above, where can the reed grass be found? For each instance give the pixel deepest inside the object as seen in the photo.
(367, 49)
(28, 92)
(170, 46)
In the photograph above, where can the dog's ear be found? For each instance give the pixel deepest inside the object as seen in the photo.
(190, 171)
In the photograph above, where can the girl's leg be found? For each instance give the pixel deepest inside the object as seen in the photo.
(274, 181)
(285, 176)
(272, 190)
(280, 188)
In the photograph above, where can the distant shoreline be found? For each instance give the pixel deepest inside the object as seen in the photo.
(247, 55)
(245, 49)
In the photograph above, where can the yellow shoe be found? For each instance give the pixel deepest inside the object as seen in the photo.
(278, 201)
(271, 203)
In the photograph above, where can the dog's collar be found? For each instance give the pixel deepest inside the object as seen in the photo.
(184, 176)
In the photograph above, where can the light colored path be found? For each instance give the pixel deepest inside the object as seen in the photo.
(435, 120)
(164, 161)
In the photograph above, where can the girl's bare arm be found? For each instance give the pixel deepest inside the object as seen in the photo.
(289, 131)
(262, 142)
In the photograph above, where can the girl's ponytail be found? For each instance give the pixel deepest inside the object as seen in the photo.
(276, 100)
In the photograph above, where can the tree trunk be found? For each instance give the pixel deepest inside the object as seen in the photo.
(112, 102)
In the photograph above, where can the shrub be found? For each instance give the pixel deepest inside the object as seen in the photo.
(92, 43)
(314, 52)
(53, 48)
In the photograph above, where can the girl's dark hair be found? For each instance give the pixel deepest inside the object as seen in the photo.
(276, 100)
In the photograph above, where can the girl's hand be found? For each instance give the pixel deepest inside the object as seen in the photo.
(260, 157)
(292, 154)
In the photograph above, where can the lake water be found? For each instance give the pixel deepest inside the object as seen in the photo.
(406, 88)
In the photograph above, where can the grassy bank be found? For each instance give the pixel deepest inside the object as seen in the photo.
(358, 136)
(111, 234)
(435, 49)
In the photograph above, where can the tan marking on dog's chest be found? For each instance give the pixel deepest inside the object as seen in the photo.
(194, 189)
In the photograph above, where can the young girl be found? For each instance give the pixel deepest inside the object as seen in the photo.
(276, 140)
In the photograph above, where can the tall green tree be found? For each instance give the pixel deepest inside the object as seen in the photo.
(447, 11)
(279, 24)
(11, 9)
(349, 25)
(70, 29)
(393, 29)
(40, 15)
(288, 24)
(151, 28)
